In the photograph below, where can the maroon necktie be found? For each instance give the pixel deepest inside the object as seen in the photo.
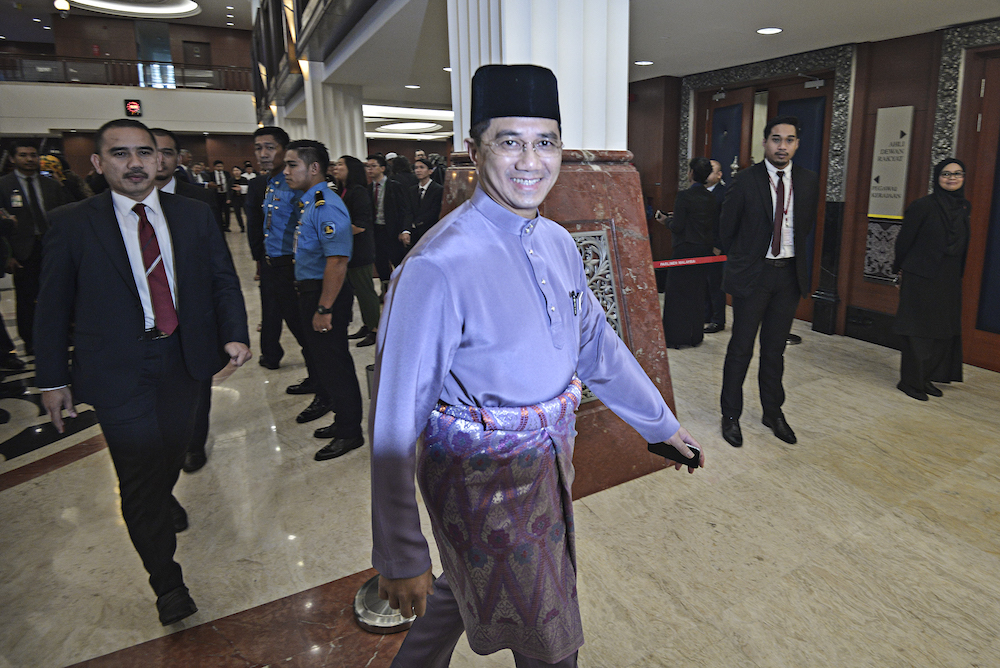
(156, 276)
(779, 214)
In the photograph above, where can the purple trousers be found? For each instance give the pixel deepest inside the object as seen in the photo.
(432, 638)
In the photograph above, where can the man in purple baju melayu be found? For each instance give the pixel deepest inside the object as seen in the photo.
(488, 329)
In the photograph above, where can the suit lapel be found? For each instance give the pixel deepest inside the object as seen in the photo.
(171, 205)
(105, 225)
(763, 188)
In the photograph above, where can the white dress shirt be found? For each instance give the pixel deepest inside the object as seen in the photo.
(787, 224)
(128, 224)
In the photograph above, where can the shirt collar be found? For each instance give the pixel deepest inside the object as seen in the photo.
(123, 205)
(506, 220)
(773, 171)
(24, 177)
(170, 186)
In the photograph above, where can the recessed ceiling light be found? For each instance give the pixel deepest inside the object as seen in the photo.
(446, 69)
(768, 31)
(3, 37)
(412, 86)
(37, 20)
(61, 5)
(205, 133)
(230, 16)
(643, 63)
(46, 27)
(166, 9)
(230, 23)
(409, 127)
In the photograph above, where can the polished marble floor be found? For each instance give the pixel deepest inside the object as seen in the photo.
(875, 541)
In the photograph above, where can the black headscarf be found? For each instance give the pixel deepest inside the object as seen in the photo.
(955, 209)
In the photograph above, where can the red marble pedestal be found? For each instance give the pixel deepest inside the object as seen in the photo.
(599, 191)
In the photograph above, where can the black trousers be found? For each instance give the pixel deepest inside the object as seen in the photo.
(280, 302)
(715, 309)
(199, 437)
(147, 437)
(223, 211)
(332, 358)
(770, 309)
(26, 282)
(389, 252)
(6, 344)
(237, 204)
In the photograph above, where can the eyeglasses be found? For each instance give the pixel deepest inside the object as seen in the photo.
(952, 175)
(512, 148)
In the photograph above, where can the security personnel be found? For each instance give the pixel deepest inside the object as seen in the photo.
(322, 246)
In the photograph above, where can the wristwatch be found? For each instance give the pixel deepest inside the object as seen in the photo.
(322, 310)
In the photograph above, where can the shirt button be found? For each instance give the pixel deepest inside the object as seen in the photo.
(531, 252)
(553, 308)
(543, 281)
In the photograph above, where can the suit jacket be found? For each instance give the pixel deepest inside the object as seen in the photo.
(396, 206)
(747, 222)
(22, 241)
(182, 174)
(253, 207)
(426, 211)
(227, 182)
(87, 282)
(185, 189)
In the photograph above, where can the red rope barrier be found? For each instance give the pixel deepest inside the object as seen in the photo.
(663, 264)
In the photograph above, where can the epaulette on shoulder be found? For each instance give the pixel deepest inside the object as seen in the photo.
(318, 198)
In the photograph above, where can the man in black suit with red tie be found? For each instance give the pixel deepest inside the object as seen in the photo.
(146, 284)
(768, 213)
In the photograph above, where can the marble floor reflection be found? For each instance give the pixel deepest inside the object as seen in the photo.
(875, 541)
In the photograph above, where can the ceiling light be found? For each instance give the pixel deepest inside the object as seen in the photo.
(205, 133)
(768, 31)
(643, 63)
(412, 86)
(380, 111)
(230, 16)
(230, 7)
(168, 9)
(228, 23)
(37, 20)
(61, 5)
(409, 127)
(46, 27)
(446, 69)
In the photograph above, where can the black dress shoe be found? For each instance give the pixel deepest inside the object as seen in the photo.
(268, 364)
(368, 340)
(731, 431)
(360, 334)
(932, 390)
(793, 339)
(193, 461)
(779, 426)
(178, 516)
(916, 394)
(12, 363)
(307, 386)
(314, 411)
(175, 605)
(326, 432)
(338, 447)
(712, 328)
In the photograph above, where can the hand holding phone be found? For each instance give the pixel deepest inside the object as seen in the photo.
(670, 452)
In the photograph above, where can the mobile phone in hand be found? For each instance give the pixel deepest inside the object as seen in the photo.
(670, 452)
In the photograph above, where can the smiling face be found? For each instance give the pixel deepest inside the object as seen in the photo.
(781, 144)
(128, 160)
(952, 177)
(520, 182)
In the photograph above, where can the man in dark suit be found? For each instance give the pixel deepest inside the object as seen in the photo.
(222, 183)
(166, 145)
(768, 213)
(425, 201)
(393, 215)
(183, 171)
(146, 283)
(28, 196)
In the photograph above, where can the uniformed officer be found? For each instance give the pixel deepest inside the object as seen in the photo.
(322, 246)
(272, 236)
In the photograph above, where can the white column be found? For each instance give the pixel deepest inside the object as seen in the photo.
(585, 42)
(333, 113)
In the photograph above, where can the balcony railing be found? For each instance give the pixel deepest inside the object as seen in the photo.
(53, 69)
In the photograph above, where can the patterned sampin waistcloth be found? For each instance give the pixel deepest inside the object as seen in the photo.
(497, 483)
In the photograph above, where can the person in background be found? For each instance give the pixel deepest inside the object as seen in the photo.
(930, 259)
(74, 188)
(237, 193)
(426, 202)
(715, 307)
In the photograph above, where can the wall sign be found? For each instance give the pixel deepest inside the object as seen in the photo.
(133, 108)
(890, 162)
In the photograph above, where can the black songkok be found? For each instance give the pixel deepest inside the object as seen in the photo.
(514, 90)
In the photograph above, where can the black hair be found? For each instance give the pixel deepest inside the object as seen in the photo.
(218, 162)
(782, 120)
(160, 132)
(426, 163)
(355, 172)
(700, 169)
(400, 165)
(310, 151)
(119, 123)
(280, 135)
(23, 142)
(379, 158)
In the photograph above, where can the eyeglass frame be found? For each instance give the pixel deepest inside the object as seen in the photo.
(952, 175)
(524, 146)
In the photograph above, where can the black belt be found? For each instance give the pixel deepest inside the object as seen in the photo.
(153, 334)
(780, 262)
(309, 285)
(280, 261)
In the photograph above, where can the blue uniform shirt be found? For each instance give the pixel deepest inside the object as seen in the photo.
(324, 231)
(281, 213)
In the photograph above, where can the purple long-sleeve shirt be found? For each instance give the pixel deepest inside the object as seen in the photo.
(482, 313)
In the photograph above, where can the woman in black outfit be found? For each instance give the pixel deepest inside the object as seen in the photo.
(351, 184)
(696, 215)
(930, 259)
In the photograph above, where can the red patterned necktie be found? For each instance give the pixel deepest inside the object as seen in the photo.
(779, 214)
(156, 276)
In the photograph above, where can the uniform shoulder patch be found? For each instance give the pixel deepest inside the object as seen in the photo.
(329, 230)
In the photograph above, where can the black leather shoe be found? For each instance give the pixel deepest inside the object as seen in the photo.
(368, 340)
(779, 426)
(793, 339)
(193, 461)
(360, 334)
(314, 411)
(731, 431)
(712, 328)
(338, 447)
(12, 363)
(268, 364)
(179, 517)
(932, 390)
(916, 394)
(307, 386)
(326, 432)
(175, 605)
